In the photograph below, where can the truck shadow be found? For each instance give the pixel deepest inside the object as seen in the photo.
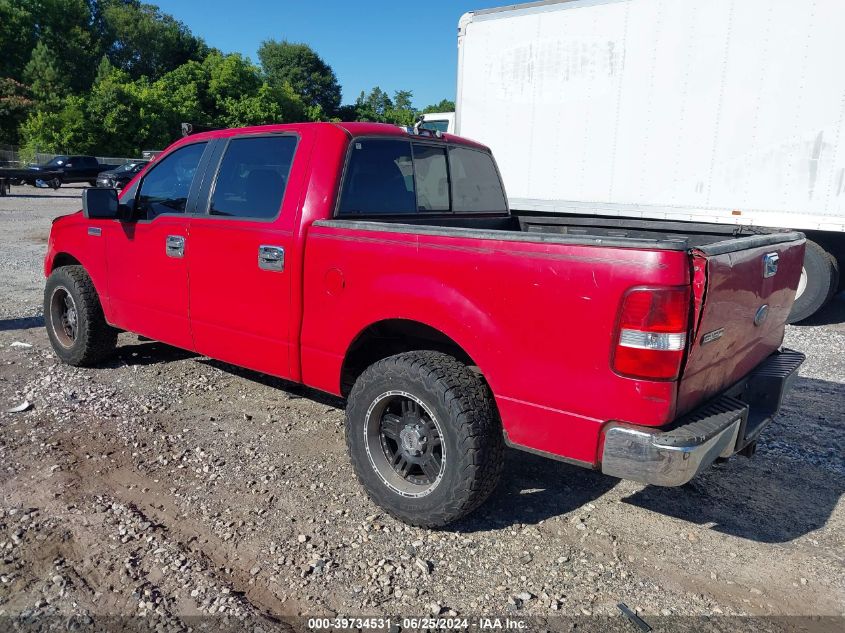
(22, 323)
(147, 353)
(789, 489)
(534, 489)
(292, 389)
(35, 195)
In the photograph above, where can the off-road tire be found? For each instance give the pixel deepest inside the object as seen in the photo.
(470, 426)
(822, 282)
(95, 339)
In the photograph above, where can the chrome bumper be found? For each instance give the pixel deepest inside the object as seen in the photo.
(636, 453)
(719, 429)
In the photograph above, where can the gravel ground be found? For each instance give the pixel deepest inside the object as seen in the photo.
(169, 485)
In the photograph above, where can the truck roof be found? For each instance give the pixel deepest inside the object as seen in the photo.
(353, 128)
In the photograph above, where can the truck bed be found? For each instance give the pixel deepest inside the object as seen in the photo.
(536, 308)
(563, 229)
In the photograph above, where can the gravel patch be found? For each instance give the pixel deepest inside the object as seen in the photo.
(169, 485)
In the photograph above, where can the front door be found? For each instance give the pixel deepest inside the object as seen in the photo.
(239, 277)
(147, 257)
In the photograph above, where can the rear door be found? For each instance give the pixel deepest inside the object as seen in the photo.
(75, 169)
(238, 253)
(743, 289)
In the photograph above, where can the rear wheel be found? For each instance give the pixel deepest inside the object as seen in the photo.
(424, 437)
(74, 318)
(818, 283)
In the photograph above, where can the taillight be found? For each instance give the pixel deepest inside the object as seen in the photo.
(651, 335)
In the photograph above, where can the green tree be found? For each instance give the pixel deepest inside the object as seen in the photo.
(373, 106)
(65, 28)
(45, 80)
(377, 106)
(445, 105)
(17, 37)
(298, 66)
(15, 105)
(402, 112)
(62, 129)
(143, 41)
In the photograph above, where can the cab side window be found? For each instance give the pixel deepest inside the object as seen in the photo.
(379, 179)
(252, 177)
(165, 188)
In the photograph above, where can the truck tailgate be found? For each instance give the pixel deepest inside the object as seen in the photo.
(743, 290)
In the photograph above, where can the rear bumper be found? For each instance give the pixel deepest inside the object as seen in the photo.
(675, 454)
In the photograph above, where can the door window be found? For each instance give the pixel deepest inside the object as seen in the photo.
(165, 188)
(252, 177)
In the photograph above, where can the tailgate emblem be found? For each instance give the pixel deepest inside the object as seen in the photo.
(762, 313)
(770, 264)
(715, 335)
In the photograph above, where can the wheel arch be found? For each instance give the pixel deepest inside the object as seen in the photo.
(394, 336)
(63, 259)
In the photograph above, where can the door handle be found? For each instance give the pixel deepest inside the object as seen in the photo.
(271, 258)
(175, 246)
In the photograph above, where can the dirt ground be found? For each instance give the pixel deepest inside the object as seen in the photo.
(171, 486)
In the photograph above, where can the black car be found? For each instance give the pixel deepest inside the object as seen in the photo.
(120, 177)
(65, 169)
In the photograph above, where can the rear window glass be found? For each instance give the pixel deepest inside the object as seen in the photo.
(432, 178)
(475, 184)
(379, 178)
(252, 177)
(397, 177)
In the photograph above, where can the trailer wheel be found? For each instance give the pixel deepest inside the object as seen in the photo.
(818, 284)
(424, 437)
(74, 318)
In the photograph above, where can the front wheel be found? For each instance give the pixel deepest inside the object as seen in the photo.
(424, 437)
(74, 318)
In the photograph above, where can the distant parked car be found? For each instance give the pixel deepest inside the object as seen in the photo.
(64, 170)
(120, 177)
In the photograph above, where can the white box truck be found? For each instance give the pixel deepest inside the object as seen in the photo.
(671, 116)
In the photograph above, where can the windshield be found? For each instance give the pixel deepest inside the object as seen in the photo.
(58, 161)
(128, 167)
(440, 125)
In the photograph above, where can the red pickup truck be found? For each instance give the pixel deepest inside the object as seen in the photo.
(383, 265)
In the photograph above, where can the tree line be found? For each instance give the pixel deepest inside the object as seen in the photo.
(115, 77)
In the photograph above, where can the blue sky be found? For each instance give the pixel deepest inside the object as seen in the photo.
(397, 45)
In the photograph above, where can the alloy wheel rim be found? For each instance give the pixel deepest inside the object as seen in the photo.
(64, 317)
(404, 444)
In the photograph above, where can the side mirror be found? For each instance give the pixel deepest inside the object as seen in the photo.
(102, 204)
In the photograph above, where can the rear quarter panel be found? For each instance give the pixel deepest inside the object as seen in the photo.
(537, 319)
